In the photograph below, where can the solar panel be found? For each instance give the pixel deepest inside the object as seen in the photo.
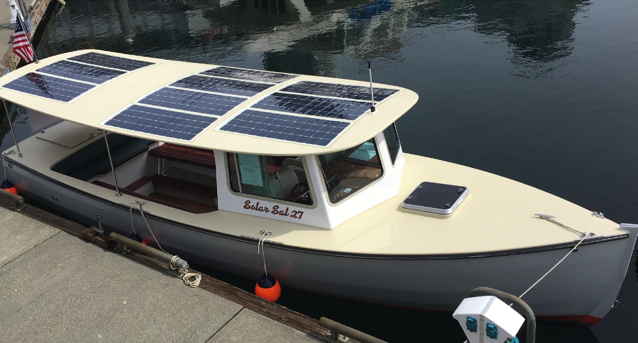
(252, 75)
(161, 122)
(286, 127)
(213, 84)
(48, 86)
(80, 72)
(311, 105)
(110, 61)
(192, 101)
(339, 91)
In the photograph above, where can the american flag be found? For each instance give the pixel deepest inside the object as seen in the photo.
(20, 42)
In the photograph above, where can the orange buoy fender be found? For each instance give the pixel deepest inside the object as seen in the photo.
(8, 187)
(268, 288)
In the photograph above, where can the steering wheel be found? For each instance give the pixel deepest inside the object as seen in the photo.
(301, 193)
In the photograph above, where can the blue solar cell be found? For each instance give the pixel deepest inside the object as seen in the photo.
(339, 91)
(48, 86)
(81, 72)
(110, 61)
(252, 75)
(312, 105)
(161, 122)
(213, 84)
(286, 127)
(192, 101)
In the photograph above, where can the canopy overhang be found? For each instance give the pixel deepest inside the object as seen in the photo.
(104, 101)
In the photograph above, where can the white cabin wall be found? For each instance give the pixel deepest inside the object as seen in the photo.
(323, 214)
(228, 200)
(386, 187)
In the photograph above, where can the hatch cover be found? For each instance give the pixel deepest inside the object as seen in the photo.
(436, 198)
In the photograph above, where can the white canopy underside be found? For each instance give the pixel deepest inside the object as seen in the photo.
(101, 103)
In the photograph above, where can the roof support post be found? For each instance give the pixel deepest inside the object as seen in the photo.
(13, 134)
(108, 152)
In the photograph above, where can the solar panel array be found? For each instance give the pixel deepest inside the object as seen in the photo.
(213, 84)
(161, 122)
(252, 75)
(192, 101)
(286, 127)
(339, 91)
(67, 79)
(82, 72)
(109, 61)
(213, 92)
(313, 112)
(315, 106)
(48, 86)
(337, 106)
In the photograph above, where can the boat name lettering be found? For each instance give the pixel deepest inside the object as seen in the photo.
(276, 210)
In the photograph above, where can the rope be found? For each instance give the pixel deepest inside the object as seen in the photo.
(586, 235)
(148, 226)
(552, 219)
(132, 223)
(4, 170)
(190, 279)
(260, 248)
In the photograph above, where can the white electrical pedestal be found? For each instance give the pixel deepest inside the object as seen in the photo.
(487, 319)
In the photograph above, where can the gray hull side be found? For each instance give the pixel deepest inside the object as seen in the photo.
(586, 284)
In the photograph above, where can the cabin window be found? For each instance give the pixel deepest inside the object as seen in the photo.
(276, 177)
(392, 141)
(346, 172)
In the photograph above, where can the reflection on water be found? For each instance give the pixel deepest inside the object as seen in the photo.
(307, 35)
(506, 85)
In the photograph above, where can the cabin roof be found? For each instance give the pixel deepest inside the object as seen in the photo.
(206, 106)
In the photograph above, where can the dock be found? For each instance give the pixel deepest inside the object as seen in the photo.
(56, 287)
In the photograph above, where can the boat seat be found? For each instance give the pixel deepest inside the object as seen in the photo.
(93, 159)
(200, 157)
(184, 195)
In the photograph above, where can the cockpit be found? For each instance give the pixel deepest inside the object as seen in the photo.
(312, 189)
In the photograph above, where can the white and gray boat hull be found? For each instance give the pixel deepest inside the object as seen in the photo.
(583, 288)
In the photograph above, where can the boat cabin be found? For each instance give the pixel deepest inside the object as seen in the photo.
(318, 190)
(203, 138)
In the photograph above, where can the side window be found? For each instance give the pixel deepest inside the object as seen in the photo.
(392, 140)
(345, 172)
(276, 177)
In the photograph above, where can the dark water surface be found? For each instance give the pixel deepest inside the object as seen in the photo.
(540, 91)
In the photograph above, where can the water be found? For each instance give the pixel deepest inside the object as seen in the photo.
(540, 91)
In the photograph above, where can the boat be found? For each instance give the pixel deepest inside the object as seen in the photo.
(210, 162)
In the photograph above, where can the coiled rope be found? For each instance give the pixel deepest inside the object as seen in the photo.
(190, 279)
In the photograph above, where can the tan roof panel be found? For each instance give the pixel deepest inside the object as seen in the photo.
(206, 106)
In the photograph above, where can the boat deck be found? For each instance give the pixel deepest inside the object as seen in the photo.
(484, 222)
